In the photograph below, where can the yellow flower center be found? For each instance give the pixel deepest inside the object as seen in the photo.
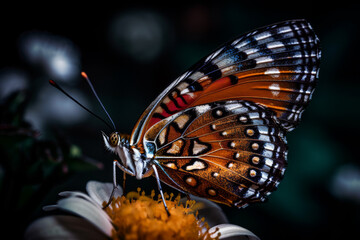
(138, 216)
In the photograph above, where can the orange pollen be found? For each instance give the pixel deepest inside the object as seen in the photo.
(138, 216)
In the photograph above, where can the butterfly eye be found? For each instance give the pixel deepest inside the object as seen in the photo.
(114, 139)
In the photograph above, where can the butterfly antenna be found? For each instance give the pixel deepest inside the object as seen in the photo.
(84, 75)
(54, 84)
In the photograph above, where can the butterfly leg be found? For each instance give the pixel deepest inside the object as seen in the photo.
(124, 181)
(188, 197)
(115, 163)
(160, 189)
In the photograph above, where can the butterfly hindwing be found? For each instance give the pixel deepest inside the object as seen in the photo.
(232, 152)
(275, 66)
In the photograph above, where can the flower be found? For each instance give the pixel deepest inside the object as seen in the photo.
(134, 216)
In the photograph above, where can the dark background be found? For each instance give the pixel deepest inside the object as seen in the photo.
(133, 51)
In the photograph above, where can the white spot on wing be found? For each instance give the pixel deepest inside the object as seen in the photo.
(284, 30)
(273, 71)
(182, 120)
(254, 115)
(262, 36)
(198, 147)
(203, 108)
(276, 44)
(264, 177)
(233, 106)
(250, 51)
(197, 165)
(269, 146)
(265, 59)
(186, 90)
(162, 136)
(275, 89)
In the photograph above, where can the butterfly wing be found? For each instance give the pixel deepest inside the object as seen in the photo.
(275, 66)
(232, 152)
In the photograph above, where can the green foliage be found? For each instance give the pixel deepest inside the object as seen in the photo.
(30, 166)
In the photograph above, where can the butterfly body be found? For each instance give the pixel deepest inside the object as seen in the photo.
(218, 131)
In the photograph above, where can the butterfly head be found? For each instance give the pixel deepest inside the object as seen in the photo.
(119, 144)
(132, 161)
(113, 141)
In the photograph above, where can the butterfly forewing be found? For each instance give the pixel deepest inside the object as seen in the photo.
(231, 152)
(275, 66)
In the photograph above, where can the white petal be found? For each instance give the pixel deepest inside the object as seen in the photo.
(230, 230)
(50, 208)
(77, 194)
(101, 192)
(62, 227)
(89, 211)
(70, 194)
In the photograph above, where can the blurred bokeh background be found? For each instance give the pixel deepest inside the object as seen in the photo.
(132, 52)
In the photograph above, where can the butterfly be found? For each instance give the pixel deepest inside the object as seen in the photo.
(219, 130)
